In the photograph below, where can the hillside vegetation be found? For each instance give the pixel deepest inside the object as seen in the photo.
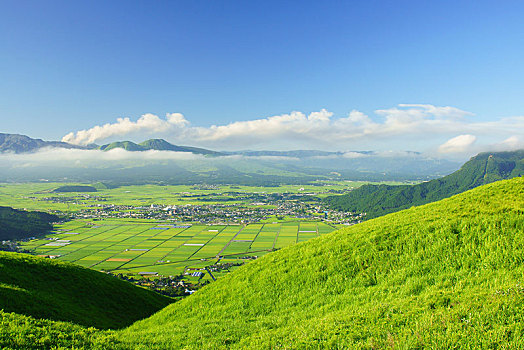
(19, 224)
(45, 288)
(26, 332)
(444, 275)
(377, 200)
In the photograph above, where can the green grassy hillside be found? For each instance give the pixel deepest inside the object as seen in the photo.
(443, 275)
(377, 200)
(25, 332)
(45, 288)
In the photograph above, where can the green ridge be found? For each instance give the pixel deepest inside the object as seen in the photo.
(25, 332)
(155, 144)
(377, 200)
(163, 145)
(443, 275)
(127, 145)
(45, 288)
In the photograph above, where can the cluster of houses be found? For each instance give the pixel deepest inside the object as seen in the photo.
(223, 213)
(223, 207)
(175, 286)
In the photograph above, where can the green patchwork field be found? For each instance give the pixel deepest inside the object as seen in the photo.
(142, 247)
(40, 196)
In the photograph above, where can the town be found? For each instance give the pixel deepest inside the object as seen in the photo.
(213, 208)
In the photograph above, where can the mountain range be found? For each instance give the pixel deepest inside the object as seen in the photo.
(189, 165)
(16, 143)
(156, 144)
(484, 168)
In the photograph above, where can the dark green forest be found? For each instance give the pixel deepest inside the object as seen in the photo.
(378, 200)
(20, 224)
(75, 189)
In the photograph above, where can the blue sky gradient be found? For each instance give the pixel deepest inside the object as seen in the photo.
(68, 65)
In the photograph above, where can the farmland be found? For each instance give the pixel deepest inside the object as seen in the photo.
(41, 196)
(144, 248)
(208, 204)
(175, 237)
(187, 234)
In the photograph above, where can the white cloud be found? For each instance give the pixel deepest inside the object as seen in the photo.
(459, 144)
(419, 127)
(357, 117)
(124, 126)
(510, 144)
(295, 123)
(353, 155)
(448, 112)
(52, 155)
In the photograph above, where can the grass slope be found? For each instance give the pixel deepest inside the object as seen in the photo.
(377, 200)
(59, 291)
(25, 332)
(443, 275)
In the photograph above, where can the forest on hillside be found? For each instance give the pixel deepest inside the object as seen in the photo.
(378, 200)
(20, 224)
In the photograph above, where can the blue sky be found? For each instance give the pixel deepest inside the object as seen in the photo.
(67, 66)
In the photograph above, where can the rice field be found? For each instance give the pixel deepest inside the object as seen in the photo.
(141, 247)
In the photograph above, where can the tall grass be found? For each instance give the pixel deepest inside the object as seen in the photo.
(60, 291)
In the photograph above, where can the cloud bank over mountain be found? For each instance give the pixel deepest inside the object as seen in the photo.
(148, 123)
(458, 144)
(421, 127)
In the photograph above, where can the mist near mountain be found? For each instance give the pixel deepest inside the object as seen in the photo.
(158, 161)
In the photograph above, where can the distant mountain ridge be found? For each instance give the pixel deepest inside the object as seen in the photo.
(156, 144)
(16, 143)
(21, 144)
(127, 145)
(378, 200)
(246, 167)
